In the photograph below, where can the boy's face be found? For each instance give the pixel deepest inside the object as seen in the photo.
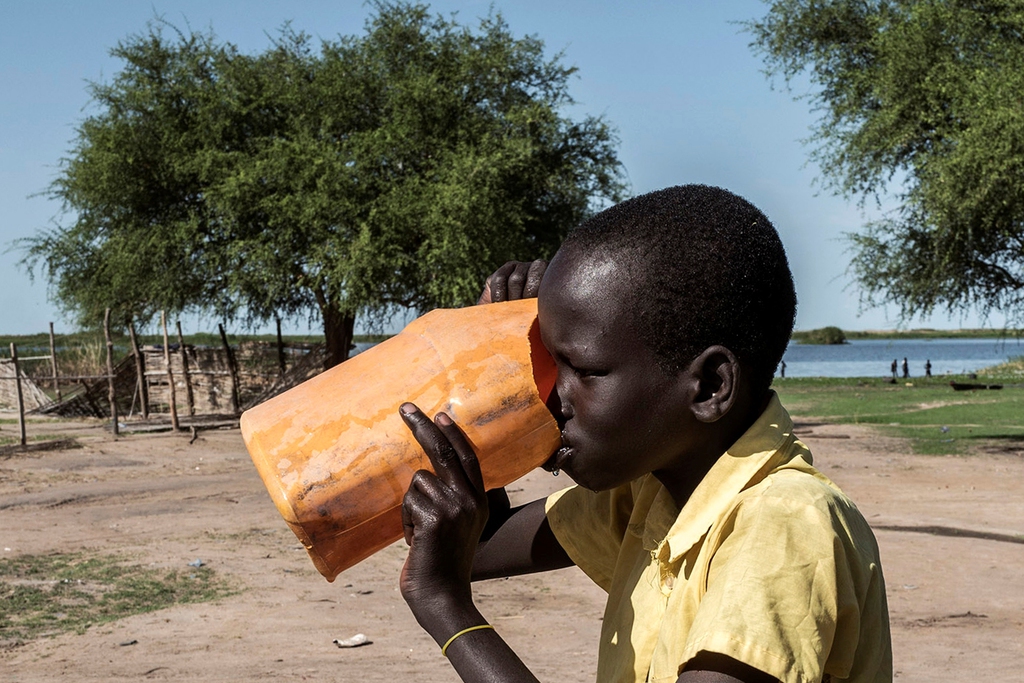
(622, 415)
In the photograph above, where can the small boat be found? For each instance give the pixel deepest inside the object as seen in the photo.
(969, 386)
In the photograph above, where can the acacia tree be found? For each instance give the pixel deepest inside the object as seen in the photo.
(921, 100)
(395, 168)
(140, 228)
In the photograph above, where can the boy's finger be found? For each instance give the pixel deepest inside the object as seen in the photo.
(419, 510)
(435, 444)
(517, 281)
(464, 450)
(485, 296)
(499, 282)
(533, 278)
(408, 523)
(429, 494)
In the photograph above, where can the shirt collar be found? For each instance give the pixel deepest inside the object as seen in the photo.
(762, 448)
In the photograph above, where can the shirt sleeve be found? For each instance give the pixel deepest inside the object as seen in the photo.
(590, 527)
(782, 587)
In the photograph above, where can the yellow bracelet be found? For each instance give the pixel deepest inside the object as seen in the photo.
(444, 648)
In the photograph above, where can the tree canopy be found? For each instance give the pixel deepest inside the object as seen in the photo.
(346, 177)
(921, 101)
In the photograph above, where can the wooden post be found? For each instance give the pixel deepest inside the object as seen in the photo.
(184, 371)
(170, 375)
(21, 400)
(140, 371)
(280, 346)
(110, 372)
(53, 364)
(231, 368)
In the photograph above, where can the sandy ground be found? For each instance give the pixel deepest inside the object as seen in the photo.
(947, 528)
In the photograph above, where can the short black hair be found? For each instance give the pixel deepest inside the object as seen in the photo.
(705, 267)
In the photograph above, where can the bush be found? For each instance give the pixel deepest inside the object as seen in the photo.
(825, 335)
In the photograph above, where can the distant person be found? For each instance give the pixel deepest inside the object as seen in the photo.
(892, 368)
(906, 368)
(928, 368)
(782, 369)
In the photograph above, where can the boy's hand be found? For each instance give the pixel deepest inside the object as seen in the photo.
(514, 280)
(443, 515)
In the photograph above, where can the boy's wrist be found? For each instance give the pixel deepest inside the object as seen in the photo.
(444, 615)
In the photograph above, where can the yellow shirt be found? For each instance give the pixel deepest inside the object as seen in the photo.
(768, 563)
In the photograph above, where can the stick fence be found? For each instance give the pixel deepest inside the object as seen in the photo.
(209, 373)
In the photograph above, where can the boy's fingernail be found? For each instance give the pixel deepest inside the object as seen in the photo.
(407, 409)
(443, 420)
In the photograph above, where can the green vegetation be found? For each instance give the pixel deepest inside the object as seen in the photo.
(320, 178)
(923, 333)
(824, 335)
(45, 595)
(936, 419)
(1012, 369)
(6, 440)
(919, 103)
(93, 343)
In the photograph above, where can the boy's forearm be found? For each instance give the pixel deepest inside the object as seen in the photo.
(478, 654)
(485, 656)
(522, 544)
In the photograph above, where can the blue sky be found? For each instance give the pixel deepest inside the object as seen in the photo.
(677, 79)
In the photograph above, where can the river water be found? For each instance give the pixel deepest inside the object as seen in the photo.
(873, 357)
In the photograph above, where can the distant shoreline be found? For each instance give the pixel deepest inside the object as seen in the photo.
(924, 333)
(39, 343)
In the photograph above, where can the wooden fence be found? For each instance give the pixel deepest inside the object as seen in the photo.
(171, 379)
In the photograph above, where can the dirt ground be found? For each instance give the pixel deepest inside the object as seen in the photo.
(949, 530)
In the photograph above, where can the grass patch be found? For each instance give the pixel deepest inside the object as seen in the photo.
(44, 595)
(935, 418)
(1013, 368)
(31, 438)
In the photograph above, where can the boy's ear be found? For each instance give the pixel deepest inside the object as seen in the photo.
(715, 376)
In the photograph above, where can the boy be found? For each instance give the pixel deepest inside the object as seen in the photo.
(725, 554)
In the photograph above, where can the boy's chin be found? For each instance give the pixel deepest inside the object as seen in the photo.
(591, 483)
(562, 461)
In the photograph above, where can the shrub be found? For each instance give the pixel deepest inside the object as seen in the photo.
(825, 335)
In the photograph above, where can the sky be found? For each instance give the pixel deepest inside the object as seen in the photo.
(676, 79)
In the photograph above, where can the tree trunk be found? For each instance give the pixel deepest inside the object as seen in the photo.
(280, 347)
(338, 326)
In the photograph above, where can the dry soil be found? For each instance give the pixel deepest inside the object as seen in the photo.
(950, 531)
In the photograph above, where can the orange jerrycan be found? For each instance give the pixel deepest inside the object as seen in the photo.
(337, 458)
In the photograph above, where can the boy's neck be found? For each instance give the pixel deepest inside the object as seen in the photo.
(719, 436)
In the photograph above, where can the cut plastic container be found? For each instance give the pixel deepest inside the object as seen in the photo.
(337, 458)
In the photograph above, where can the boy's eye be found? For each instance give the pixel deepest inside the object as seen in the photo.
(589, 372)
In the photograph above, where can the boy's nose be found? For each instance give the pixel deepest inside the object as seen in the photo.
(556, 404)
(565, 410)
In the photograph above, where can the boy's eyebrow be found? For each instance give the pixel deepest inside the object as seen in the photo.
(576, 352)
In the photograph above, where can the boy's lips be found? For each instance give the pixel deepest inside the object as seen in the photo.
(557, 459)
